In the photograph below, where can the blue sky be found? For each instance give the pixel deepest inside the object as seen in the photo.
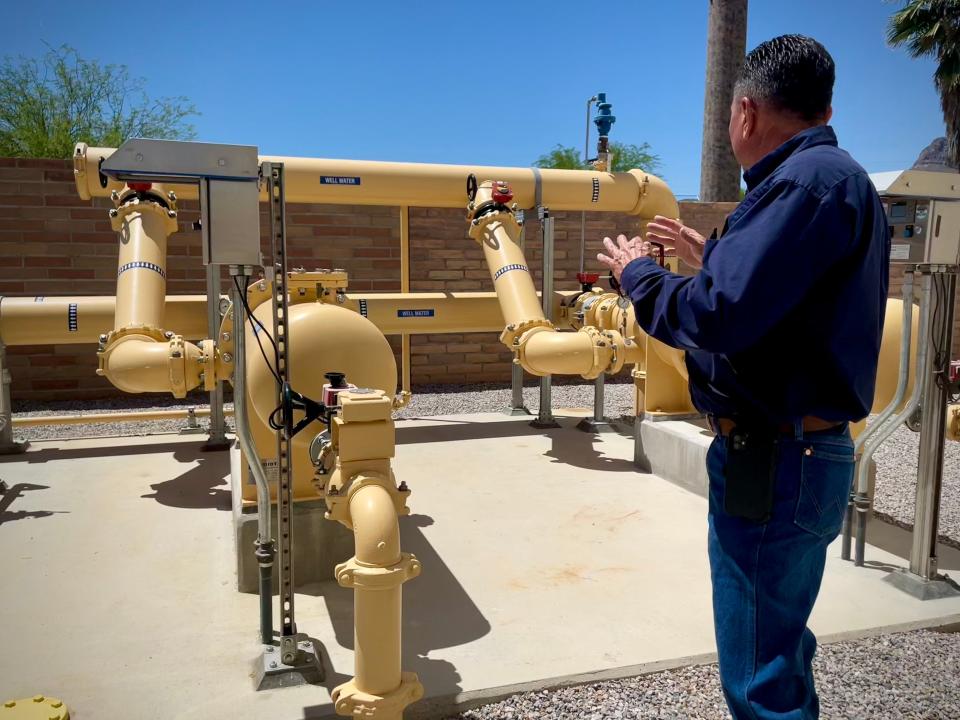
(479, 83)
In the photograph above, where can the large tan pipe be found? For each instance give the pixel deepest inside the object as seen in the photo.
(78, 320)
(139, 356)
(540, 349)
(142, 271)
(44, 320)
(377, 610)
(418, 184)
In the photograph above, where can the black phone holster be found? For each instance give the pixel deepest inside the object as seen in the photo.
(750, 473)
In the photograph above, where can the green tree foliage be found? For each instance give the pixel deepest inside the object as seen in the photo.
(625, 157)
(931, 28)
(49, 104)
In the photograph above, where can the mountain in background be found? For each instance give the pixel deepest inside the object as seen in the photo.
(934, 157)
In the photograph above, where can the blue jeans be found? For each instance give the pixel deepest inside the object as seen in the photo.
(766, 576)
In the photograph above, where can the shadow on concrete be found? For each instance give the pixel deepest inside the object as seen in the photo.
(437, 613)
(199, 488)
(14, 492)
(898, 541)
(59, 453)
(570, 446)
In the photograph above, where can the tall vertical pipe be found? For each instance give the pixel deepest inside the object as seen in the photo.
(862, 499)
(377, 634)
(217, 432)
(933, 422)
(903, 377)
(264, 544)
(545, 411)
(405, 288)
(142, 271)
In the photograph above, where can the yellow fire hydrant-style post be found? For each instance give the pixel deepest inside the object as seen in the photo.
(355, 478)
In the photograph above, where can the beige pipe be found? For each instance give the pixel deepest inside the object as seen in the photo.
(418, 184)
(540, 349)
(114, 417)
(138, 356)
(142, 273)
(511, 275)
(377, 611)
(47, 320)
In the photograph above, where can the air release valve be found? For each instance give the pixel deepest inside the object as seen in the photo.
(336, 383)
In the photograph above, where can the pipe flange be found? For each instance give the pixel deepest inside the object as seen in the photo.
(350, 701)
(338, 492)
(208, 356)
(154, 333)
(512, 333)
(351, 574)
(133, 202)
(479, 224)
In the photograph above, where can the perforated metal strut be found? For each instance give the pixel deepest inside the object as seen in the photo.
(278, 247)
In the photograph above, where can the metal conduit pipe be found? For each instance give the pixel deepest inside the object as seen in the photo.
(902, 382)
(264, 545)
(539, 348)
(862, 500)
(394, 183)
(95, 418)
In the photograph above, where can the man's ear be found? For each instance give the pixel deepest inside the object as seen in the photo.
(827, 115)
(748, 111)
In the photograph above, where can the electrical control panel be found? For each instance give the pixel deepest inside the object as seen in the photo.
(923, 215)
(228, 178)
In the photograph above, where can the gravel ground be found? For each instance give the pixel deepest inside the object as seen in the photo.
(909, 675)
(896, 489)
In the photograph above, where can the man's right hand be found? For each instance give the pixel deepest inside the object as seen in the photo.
(675, 235)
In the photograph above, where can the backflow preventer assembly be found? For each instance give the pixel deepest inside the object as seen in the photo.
(314, 378)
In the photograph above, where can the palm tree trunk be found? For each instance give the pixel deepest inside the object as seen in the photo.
(950, 101)
(726, 45)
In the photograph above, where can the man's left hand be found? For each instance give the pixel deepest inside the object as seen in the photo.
(623, 253)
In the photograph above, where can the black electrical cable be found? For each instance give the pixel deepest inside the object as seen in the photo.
(253, 319)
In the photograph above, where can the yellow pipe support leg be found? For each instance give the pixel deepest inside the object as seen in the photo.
(405, 392)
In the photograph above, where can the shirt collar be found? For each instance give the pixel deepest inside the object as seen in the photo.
(818, 135)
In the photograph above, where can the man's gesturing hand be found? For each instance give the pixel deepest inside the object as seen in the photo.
(674, 234)
(621, 254)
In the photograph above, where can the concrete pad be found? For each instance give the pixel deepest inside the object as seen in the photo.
(547, 560)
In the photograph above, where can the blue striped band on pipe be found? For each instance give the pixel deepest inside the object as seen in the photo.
(508, 268)
(141, 265)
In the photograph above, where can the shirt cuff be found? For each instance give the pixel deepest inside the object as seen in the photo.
(635, 272)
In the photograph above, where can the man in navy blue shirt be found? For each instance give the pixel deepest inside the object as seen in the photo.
(782, 327)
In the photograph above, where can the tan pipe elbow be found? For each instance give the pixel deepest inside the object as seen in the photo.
(589, 352)
(375, 526)
(655, 197)
(139, 363)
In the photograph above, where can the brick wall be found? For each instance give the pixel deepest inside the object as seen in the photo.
(53, 243)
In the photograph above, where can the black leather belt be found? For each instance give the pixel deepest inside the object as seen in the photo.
(724, 426)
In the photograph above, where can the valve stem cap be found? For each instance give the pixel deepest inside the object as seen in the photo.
(501, 192)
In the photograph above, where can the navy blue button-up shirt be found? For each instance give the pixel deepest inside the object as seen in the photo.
(786, 316)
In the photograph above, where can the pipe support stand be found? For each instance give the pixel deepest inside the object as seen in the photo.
(350, 701)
